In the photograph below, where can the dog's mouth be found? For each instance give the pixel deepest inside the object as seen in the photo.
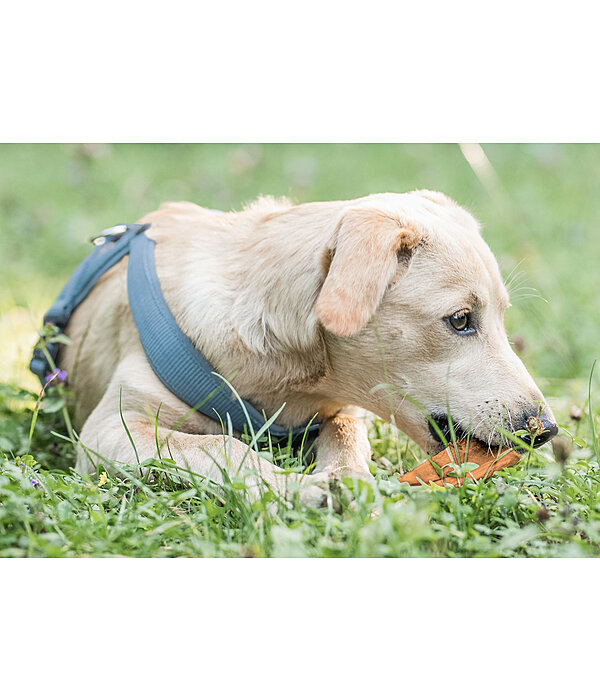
(442, 425)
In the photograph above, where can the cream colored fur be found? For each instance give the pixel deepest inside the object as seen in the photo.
(320, 306)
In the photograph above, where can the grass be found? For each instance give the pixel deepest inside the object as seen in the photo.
(540, 215)
(541, 507)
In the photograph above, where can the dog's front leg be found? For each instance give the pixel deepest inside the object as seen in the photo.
(105, 440)
(343, 447)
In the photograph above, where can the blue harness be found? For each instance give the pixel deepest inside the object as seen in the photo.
(171, 354)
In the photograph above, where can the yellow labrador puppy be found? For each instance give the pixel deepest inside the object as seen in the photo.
(391, 303)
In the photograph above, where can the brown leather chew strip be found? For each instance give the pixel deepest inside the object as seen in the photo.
(488, 461)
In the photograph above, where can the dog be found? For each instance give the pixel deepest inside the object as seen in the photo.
(390, 304)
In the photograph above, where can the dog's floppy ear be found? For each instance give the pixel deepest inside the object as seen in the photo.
(369, 246)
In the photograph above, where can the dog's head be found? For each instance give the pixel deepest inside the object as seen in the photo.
(413, 307)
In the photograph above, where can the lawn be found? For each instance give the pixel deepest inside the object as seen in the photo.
(540, 214)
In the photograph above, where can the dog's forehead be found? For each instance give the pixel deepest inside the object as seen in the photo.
(454, 256)
(433, 213)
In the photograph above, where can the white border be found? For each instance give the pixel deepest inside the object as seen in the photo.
(316, 71)
(299, 628)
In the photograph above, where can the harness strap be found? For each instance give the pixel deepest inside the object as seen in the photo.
(112, 248)
(173, 356)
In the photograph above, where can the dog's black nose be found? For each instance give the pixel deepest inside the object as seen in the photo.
(541, 427)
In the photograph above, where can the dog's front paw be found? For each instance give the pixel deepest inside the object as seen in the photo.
(352, 471)
(314, 493)
(326, 488)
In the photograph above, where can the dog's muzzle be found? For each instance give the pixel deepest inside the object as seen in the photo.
(541, 427)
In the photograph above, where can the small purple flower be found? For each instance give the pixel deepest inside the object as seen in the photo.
(35, 483)
(58, 374)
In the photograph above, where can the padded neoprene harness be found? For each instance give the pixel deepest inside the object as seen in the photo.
(171, 354)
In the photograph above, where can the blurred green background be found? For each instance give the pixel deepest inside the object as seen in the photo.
(538, 203)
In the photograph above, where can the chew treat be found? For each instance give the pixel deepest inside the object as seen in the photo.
(475, 453)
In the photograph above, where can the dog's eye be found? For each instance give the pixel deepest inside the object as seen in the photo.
(461, 321)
